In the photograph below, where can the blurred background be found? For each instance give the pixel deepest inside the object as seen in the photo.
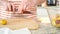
(46, 10)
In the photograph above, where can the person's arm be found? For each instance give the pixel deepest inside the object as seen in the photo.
(30, 6)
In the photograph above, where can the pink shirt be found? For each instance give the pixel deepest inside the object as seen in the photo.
(18, 7)
(23, 5)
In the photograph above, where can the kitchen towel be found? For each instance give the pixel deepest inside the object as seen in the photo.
(9, 31)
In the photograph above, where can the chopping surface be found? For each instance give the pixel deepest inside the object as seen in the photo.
(17, 23)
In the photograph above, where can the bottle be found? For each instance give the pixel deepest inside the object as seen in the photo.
(51, 2)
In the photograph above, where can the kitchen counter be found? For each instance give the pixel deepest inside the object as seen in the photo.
(46, 28)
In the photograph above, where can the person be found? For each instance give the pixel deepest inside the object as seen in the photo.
(26, 7)
(30, 7)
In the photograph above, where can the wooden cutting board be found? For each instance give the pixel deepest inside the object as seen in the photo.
(18, 23)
